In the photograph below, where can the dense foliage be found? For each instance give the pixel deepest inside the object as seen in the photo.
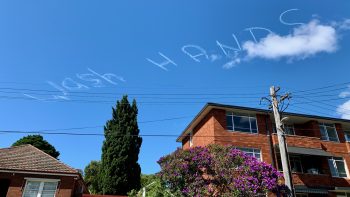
(120, 171)
(216, 171)
(153, 187)
(92, 177)
(39, 142)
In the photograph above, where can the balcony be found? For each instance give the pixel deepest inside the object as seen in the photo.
(316, 170)
(300, 141)
(313, 143)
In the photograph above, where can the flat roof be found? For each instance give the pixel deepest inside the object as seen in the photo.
(207, 107)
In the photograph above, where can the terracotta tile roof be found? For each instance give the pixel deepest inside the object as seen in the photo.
(30, 158)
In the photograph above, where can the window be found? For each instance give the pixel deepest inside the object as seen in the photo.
(328, 132)
(40, 188)
(191, 139)
(347, 136)
(295, 163)
(254, 152)
(241, 123)
(289, 129)
(337, 167)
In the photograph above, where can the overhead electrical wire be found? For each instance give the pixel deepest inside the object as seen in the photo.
(324, 87)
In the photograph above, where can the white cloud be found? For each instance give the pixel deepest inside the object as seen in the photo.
(342, 25)
(345, 24)
(232, 63)
(344, 110)
(344, 94)
(305, 40)
(214, 57)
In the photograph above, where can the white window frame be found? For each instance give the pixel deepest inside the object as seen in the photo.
(232, 114)
(335, 167)
(254, 151)
(325, 128)
(191, 139)
(41, 186)
(347, 136)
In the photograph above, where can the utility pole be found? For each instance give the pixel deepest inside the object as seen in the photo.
(281, 138)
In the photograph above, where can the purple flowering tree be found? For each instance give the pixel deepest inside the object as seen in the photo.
(216, 171)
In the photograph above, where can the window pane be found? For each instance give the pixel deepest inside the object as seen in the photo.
(257, 155)
(289, 129)
(50, 186)
(332, 134)
(347, 136)
(48, 194)
(253, 125)
(295, 164)
(229, 122)
(341, 168)
(30, 193)
(323, 133)
(332, 167)
(245, 150)
(241, 123)
(31, 189)
(33, 185)
(251, 152)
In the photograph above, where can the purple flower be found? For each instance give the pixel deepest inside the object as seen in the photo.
(216, 170)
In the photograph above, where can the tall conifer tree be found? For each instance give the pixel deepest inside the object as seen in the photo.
(120, 172)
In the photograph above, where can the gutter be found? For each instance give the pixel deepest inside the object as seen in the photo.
(217, 105)
(40, 173)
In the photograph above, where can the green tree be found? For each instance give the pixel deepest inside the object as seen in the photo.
(120, 172)
(153, 187)
(92, 177)
(39, 142)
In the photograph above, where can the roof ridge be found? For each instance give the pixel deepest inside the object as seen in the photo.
(17, 146)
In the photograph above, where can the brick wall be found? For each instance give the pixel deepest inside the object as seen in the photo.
(307, 135)
(203, 133)
(17, 183)
(214, 124)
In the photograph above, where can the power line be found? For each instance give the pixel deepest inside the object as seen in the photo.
(84, 134)
(90, 127)
(325, 91)
(113, 102)
(316, 111)
(144, 97)
(324, 87)
(114, 93)
(327, 104)
(317, 101)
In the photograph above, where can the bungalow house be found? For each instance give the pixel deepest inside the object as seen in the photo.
(29, 172)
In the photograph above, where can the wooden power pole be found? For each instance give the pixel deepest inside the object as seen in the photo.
(281, 139)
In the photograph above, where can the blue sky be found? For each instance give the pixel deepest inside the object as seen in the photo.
(65, 63)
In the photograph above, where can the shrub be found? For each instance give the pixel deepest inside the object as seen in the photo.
(216, 171)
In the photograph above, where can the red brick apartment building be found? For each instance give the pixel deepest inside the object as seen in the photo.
(318, 147)
(26, 171)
